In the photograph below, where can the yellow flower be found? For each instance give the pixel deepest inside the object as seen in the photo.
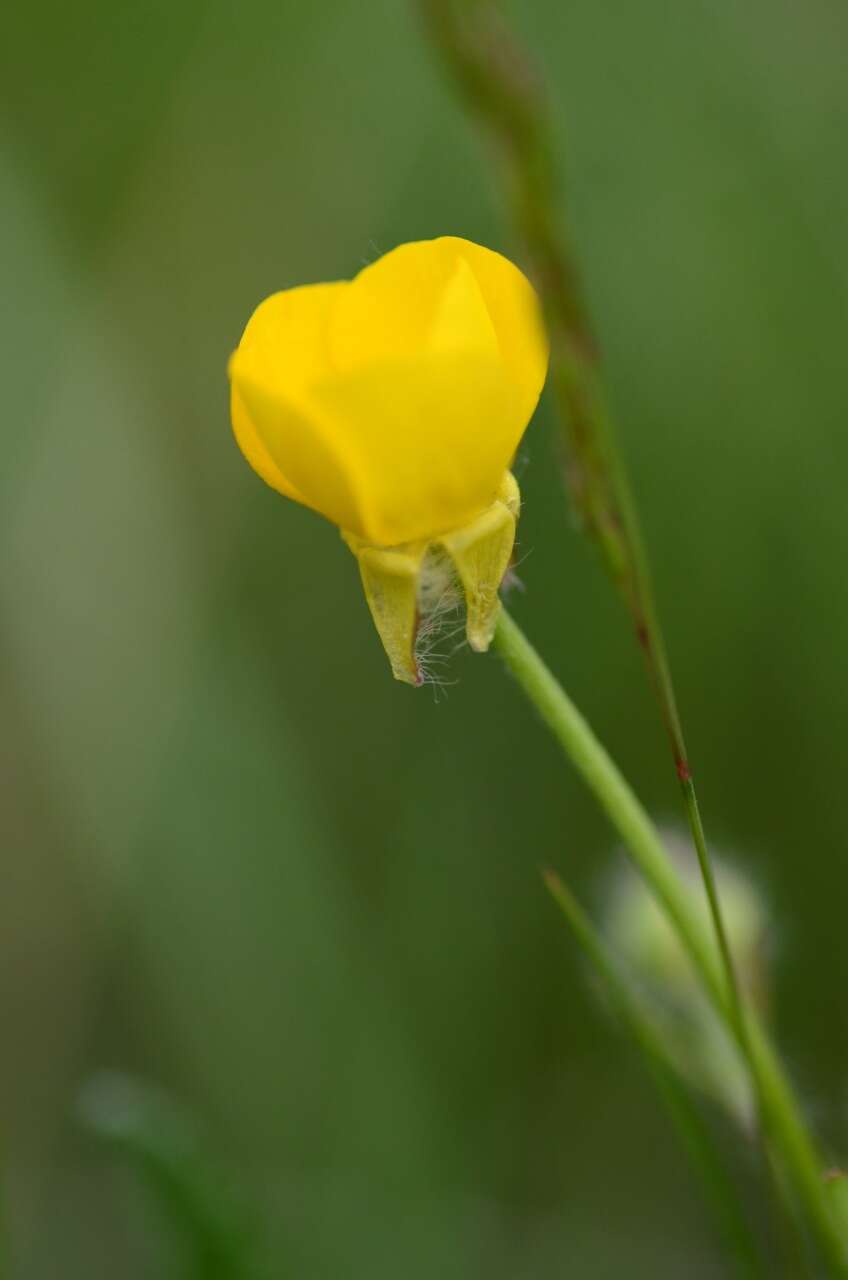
(393, 405)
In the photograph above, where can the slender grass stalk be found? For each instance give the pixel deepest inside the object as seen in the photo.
(685, 1115)
(781, 1113)
(495, 78)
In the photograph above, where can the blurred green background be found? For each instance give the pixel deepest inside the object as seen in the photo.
(239, 861)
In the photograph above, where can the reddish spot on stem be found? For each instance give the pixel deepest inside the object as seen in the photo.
(684, 773)
(642, 635)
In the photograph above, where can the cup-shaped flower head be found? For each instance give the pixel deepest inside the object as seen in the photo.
(393, 404)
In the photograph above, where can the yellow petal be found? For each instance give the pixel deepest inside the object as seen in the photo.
(282, 352)
(461, 321)
(250, 443)
(428, 441)
(388, 310)
(315, 456)
(284, 346)
(516, 315)
(481, 553)
(392, 310)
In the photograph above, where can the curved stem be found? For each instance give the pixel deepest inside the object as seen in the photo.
(779, 1108)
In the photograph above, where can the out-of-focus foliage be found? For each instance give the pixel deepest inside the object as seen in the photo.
(239, 860)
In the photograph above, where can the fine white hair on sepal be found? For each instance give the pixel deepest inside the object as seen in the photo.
(441, 619)
(439, 591)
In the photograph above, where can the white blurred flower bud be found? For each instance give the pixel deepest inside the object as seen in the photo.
(639, 932)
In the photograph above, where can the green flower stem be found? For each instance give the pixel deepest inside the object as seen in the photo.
(779, 1108)
(687, 1119)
